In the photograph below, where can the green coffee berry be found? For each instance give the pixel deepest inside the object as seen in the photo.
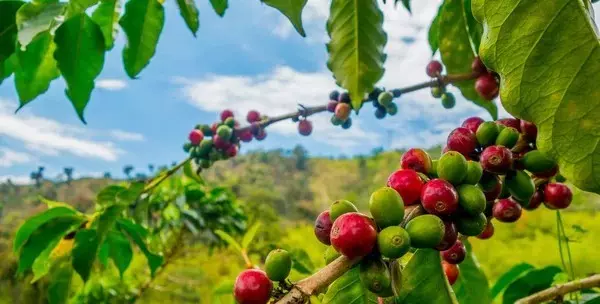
(340, 207)
(474, 172)
(471, 199)
(278, 265)
(393, 242)
(386, 207)
(487, 132)
(425, 231)
(508, 137)
(452, 167)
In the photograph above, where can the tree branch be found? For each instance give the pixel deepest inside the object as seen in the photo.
(560, 290)
(324, 277)
(308, 111)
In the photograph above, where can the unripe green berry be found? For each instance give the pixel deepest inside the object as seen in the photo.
(437, 92)
(520, 185)
(487, 132)
(205, 147)
(386, 207)
(471, 225)
(340, 207)
(393, 242)
(205, 163)
(206, 130)
(452, 167)
(425, 231)
(474, 172)
(278, 265)
(471, 199)
(214, 155)
(375, 275)
(385, 98)
(537, 162)
(448, 100)
(336, 121)
(508, 137)
(230, 122)
(392, 109)
(224, 132)
(187, 147)
(434, 164)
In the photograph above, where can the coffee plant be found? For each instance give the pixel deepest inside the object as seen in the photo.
(541, 59)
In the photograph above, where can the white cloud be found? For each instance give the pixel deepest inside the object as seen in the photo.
(111, 84)
(10, 157)
(126, 136)
(16, 179)
(51, 137)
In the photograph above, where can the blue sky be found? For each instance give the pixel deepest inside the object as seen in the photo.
(250, 59)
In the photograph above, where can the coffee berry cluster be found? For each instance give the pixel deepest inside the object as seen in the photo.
(383, 102)
(487, 83)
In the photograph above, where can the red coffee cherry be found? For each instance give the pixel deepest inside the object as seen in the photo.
(472, 123)
(434, 68)
(510, 122)
(488, 232)
(455, 254)
(196, 137)
(450, 236)
(478, 67)
(529, 130)
(305, 127)
(323, 226)
(353, 235)
(536, 200)
(416, 159)
(486, 86)
(439, 197)
(462, 140)
(496, 159)
(451, 271)
(226, 114)
(408, 184)
(507, 210)
(557, 196)
(253, 116)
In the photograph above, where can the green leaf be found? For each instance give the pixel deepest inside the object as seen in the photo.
(106, 16)
(8, 28)
(457, 53)
(250, 234)
(108, 195)
(189, 13)
(142, 23)
(472, 286)
(356, 47)
(36, 17)
(7, 67)
(138, 234)
(405, 3)
(220, 6)
(557, 90)
(84, 252)
(229, 239)
(508, 277)
(348, 289)
(189, 172)
(531, 282)
(34, 222)
(434, 31)
(474, 28)
(42, 264)
(120, 250)
(79, 6)
(292, 9)
(36, 68)
(45, 235)
(424, 281)
(224, 288)
(54, 204)
(80, 56)
(61, 276)
(301, 261)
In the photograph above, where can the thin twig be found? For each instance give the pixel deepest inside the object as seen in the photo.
(560, 290)
(162, 176)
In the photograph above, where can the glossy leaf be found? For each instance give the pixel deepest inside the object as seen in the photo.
(189, 172)
(54, 204)
(45, 235)
(433, 35)
(34, 222)
(531, 282)
(79, 6)
(120, 251)
(474, 28)
(422, 276)
(138, 234)
(229, 239)
(250, 234)
(36, 68)
(8, 28)
(108, 195)
(301, 261)
(348, 289)
(36, 17)
(457, 53)
(220, 6)
(80, 56)
(472, 285)
(84, 252)
(557, 90)
(61, 276)
(356, 46)
(189, 13)
(292, 9)
(508, 277)
(142, 23)
(41, 265)
(7, 67)
(106, 16)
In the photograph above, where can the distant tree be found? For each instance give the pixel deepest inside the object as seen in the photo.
(301, 156)
(107, 175)
(151, 168)
(128, 170)
(69, 174)
(37, 176)
(376, 151)
(141, 176)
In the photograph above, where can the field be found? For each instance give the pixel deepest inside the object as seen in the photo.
(284, 190)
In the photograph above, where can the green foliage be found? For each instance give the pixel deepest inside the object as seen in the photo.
(138, 234)
(472, 285)
(562, 108)
(348, 289)
(142, 23)
(532, 281)
(292, 9)
(508, 277)
(220, 6)
(106, 16)
(34, 223)
(250, 234)
(84, 252)
(189, 13)
(80, 57)
(8, 28)
(456, 50)
(356, 46)
(421, 276)
(37, 17)
(118, 248)
(60, 281)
